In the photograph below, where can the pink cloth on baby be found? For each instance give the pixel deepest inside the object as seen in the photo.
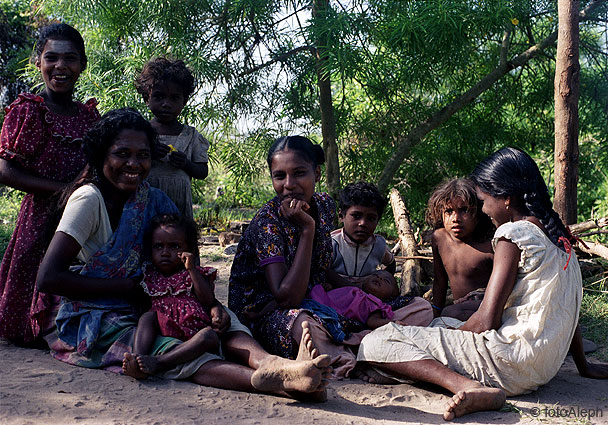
(351, 302)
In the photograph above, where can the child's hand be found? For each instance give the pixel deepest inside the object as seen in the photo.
(295, 211)
(188, 260)
(161, 150)
(177, 159)
(220, 320)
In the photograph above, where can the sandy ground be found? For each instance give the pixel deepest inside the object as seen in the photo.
(36, 389)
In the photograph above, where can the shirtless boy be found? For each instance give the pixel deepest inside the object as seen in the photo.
(462, 249)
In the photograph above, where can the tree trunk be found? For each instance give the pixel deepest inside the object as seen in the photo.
(410, 276)
(567, 80)
(328, 118)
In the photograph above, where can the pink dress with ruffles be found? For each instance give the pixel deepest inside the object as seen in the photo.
(180, 313)
(45, 145)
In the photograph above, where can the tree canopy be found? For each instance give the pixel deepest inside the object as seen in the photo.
(421, 90)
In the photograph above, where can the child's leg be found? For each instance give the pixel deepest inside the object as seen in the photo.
(145, 335)
(204, 341)
(469, 396)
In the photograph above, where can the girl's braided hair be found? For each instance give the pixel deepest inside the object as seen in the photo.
(512, 172)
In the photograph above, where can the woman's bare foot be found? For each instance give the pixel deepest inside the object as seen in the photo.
(131, 368)
(307, 349)
(343, 360)
(474, 400)
(277, 374)
(148, 364)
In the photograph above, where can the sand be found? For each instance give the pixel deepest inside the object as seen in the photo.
(36, 389)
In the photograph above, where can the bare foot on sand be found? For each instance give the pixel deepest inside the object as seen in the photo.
(474, 400)
(131, 368)
(343, 360)
(277, 374)
(148, 364)
(304, 378)
(308, 351)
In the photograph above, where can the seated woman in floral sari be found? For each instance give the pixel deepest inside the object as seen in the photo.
(103, 225)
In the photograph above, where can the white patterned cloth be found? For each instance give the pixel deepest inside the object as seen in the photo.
(538, 323)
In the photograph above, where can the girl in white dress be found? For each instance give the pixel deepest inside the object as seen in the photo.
(520, 335)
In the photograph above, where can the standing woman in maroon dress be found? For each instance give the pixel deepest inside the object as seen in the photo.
(40, 152)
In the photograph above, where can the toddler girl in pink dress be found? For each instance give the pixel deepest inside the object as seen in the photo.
(183, 301)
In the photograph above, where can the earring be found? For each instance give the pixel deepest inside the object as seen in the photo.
(507, 206)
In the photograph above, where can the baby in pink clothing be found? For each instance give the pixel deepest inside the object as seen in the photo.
(364, 304)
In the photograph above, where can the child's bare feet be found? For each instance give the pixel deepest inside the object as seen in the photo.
(474, 400)
(148, 364)
(131, 368)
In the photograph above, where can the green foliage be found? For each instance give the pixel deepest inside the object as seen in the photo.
(16, 40)
(594, 313)
(393, 64)
(10, 201)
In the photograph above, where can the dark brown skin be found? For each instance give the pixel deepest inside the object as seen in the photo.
(12, 175)
(55, 277)
(467, 265)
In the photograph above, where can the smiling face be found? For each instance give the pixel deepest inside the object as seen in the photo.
(167, 243)
(459, 219)
(495, 208)
(166, 101)
(60, 65)
(360, 222)
(128, 160)
(292, 176)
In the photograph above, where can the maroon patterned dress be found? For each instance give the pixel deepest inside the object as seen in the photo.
(180, 314)
(45, 145)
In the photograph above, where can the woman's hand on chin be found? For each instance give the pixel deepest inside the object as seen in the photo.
(295, 211)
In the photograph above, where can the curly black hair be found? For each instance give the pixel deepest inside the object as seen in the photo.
(98, 139)
(451, 190)
(61, 32)
(364, 194)
(163, 70)
(176, 221)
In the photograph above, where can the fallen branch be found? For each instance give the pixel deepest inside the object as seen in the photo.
(412, 257)
(597, 232)
(410, 275)
(579, 228)
(594, 248)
